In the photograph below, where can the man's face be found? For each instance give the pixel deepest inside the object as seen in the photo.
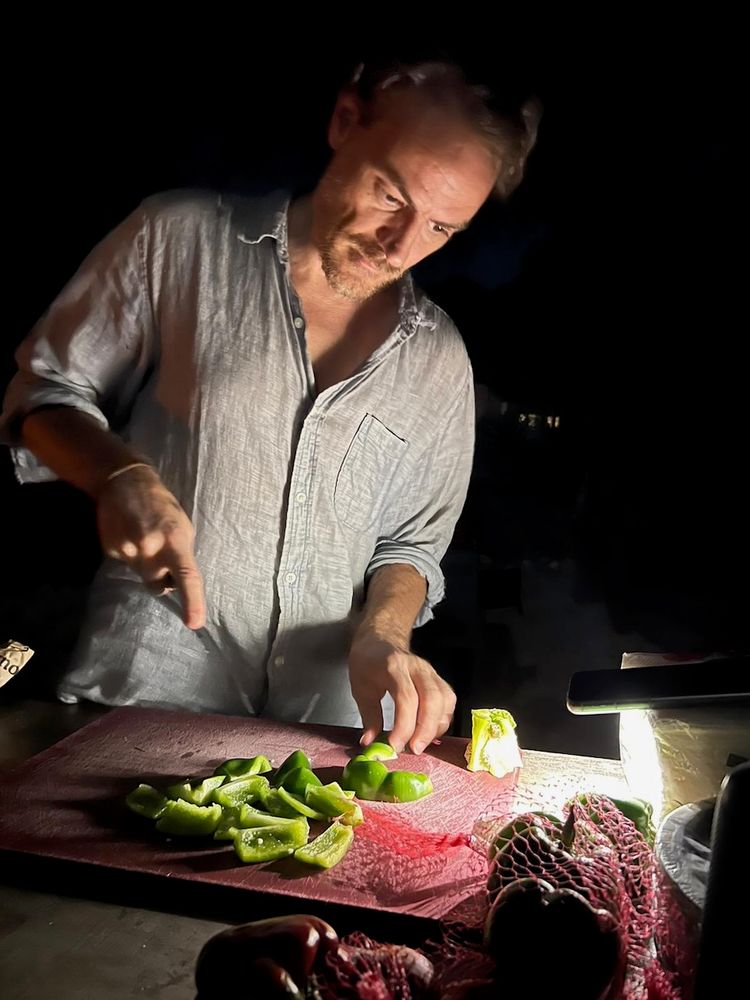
(395, 191)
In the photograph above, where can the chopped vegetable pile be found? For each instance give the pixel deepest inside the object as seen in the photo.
(266, 815)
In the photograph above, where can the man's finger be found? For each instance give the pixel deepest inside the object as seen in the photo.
(189, 583)
(405, 717)
(445, 724)
(430, 712)
(449, 706)
(369, 707)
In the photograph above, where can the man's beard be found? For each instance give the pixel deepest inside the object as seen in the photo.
(341, 259)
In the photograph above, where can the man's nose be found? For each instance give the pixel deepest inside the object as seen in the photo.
(397, 236)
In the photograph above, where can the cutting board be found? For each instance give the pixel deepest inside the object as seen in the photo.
(410, 859)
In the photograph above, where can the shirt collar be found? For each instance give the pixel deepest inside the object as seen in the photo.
(266, 218)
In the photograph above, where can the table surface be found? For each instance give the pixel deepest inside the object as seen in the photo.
(103, 943)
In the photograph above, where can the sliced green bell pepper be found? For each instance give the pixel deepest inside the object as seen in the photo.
(199, 791)
(297, 759)
(377, 751)
(330, 801)
(229, 824)
(364, 777)
(249, 817)
(268, 843)
(292, 805)
(187, 820)
(404, 786)
(297, 780)
(327, 849)
(234, 793)
(146, 801)
(244, 817)
(243, 767)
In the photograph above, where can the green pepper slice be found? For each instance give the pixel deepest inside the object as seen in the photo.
(327, 849)
(297, 759)
(364, 777)
(404, 786)
(234, 793)
(268, 843)
(330, 801)
(377, 751)
(199, 791)
(146, 801)
(297, 780)
(244, 767)
(187, 820)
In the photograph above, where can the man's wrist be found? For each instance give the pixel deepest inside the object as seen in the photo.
(122, 474)
(372, 630)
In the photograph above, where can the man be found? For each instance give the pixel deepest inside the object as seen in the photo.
(275, 424)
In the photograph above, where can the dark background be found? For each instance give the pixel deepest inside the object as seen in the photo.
(603, 294)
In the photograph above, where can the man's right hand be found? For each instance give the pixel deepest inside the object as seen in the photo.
(142, 524)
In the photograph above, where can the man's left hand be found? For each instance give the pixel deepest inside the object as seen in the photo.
(424, 701)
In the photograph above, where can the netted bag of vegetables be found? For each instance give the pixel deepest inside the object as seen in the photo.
(574, 902)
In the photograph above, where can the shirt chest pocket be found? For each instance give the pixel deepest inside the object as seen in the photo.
(366, 474)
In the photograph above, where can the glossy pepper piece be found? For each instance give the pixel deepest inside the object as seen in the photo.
(250, 816)
(183, 819)
(297, 944)
(199, 791)
(297, 780)
(330, 801)
(377, 751)
(292, 805)
(364, 777)
(146, 801)
(327, 849)
(641, 814)
(269, 843)
(234, 793)
(242, 818)
(277, 805)
(228, 825)
(404, 786)
(297, 759)
(244, 767)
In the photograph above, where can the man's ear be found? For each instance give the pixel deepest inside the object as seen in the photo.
(347, 116)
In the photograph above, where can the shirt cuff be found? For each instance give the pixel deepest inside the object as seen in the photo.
(28, 468)
(388, 552)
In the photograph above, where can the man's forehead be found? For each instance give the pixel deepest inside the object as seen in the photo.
(434, 161)
(418, 129)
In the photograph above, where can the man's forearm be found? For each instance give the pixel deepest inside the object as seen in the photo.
(75, 447)
(395, 596)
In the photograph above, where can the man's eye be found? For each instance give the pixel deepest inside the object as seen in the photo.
(440, 229)
(391, 200)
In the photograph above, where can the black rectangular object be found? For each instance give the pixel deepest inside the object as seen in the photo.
(675, 685)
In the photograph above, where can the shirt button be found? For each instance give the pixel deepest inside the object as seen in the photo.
(290, 577)
(279, 661)
(299, 322)
(301, 497)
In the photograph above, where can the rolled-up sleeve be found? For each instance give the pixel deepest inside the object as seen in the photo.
(431, 501)
(93, 347)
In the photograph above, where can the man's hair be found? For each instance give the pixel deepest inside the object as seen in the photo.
(509, 128)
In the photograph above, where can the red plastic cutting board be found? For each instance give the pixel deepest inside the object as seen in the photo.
(67, 803)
